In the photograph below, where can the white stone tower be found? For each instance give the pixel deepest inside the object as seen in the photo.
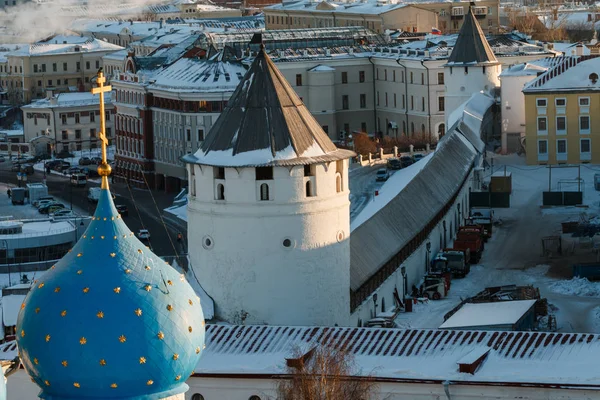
(268, 210)
(471, 68)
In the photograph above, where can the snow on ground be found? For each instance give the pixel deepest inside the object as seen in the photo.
(110, 155)
(180, 211)
(576, 287)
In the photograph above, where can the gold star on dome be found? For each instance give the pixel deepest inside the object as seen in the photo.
(57, 289)
(82, 341)
(47, 338)
(22, 306)
(102, 237)
(37, 310)
(22, 333)
(84, 236)
(182, 278)
(92, 238)
(124, 236)
(86, 289)
(117, 290)
(100, 314)
(105, 218)
(35, 361)
(178, 377)
(147, 268)
(142, 360)
(47, 382)
(170, 282)
(122, 339)
(115, 237)
(198, 350)
(140, 251)
(203, 346)
(103, 362)
(148, 288)
(138, 312)
(79, 272)
(113, 385)
(169, 307)
(127, 271)
(175, 356)
(130, 233)
(150, 382)
(41, 285)
(191, 302)
(63, 313)
(79, 254)
(76, 384)
(190, 329)
(113, 254)
(161, 335)
(52, 267)
(64, 363)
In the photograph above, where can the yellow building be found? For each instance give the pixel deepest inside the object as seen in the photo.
(561, 107)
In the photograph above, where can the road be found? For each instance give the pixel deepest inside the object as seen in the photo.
(362, 187)
(143, 212)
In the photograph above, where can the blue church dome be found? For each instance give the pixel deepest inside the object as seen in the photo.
(111, 319)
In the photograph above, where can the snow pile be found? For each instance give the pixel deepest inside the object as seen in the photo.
(576, 287)
(178, 211)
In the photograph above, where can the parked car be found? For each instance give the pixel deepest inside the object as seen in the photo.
(418, 157)
(394, 163)
(43, 203)
(46, 199)
(90, 172)
(79, 180)
(122, 209)
(2, 159)
(406, 161)
(96, 160)
(63, 213)
(73, 170)
(143, 234)
(28, 169)
(382, 174)
(85, 161)
(60, 167)
(15, 167)
(64, 154)
(50, 208)
(52, 163)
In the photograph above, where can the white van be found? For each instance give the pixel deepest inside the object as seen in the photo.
(78, 180)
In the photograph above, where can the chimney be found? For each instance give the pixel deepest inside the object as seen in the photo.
(160, 23)
(579, 49)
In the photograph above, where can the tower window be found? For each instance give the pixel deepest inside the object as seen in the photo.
(264, 192)
(338, 183)
(264, 173)
(197, 396)
(220, 191)
(309, 189)
(219, 172)
(309, 170)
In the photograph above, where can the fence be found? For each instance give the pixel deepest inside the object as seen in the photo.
(489, 199)
(570, 198)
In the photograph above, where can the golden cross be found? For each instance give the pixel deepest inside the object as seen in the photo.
(101, 89)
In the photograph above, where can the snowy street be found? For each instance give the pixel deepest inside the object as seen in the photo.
(362, 187)
(514, 253)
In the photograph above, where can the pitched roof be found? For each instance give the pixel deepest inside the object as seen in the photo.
(531, 358)
(266, 123)
(471, 46)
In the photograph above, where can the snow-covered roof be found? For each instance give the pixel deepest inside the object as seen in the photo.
(11, 305)
(41, 228)
(6, 49)
(570, 49)
(530, 68)
(64, 45)
(266, 123)
(321, 68)
(369, 7)
(199, 76)
(474, 315)
(409, 355)
(570, 73)
(77, 99)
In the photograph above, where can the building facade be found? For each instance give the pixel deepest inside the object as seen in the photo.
(380, 15)
(60, 64)
(71, 121)
(560, 109)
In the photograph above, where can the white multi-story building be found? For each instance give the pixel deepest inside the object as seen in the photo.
(70, 121)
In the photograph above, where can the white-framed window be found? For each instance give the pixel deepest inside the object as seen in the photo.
(584, 124)
(561, 150)
(584, 101)
(585, 149)
(561, 125)
(560, 102)
(458, 11)
(542, 102)
(479, 10)
(542, 150)
(542, 126)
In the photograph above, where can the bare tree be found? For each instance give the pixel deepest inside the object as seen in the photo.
(324, 373)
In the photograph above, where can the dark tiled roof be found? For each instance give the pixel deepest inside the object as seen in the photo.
(265, 114)
(471, 45)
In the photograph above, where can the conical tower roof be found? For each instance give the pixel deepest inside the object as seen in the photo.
(266, 123)
(471, 46)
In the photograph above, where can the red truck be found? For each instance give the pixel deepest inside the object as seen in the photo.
(472, 241)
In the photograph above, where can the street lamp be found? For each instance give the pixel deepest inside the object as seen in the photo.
(428, 248)
(375, 305)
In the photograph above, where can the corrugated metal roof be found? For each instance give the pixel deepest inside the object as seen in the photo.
(409, 354)
(471, 45)
(266, 123)
(382, 236)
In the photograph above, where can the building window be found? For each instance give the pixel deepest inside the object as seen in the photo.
(385, 74)
(63, 119)
(97, 64)
(43, 67)
(35, 68)
(377, 73)
(560, 102)
(264, 173)
(338, 183)
(108, 132)
(76, 118)
(344, 77)
(422, 78)
(363, 101)
(561, 146)
(264, 192)
(78, 66)
(77, 133)
(50, 82)
(65, 136)
(395, 104)
(188, 134)
(200, 135)
(92, 116)
(345, 102)
(309, 170)
(541, 102)
(441, 105)
(411, 77)
(386, 99)
(363, 127)
(220, 191)
(412, 128)
(584, 124)
(87, 65)
(440, 78)
(39, 83)
(309, 189)
(377, 97)
(585, 149)
(298, 79)
(422, 103)
(219, 172)
(542, 147)
(542, 125)
(561, 125)
(64, 66)
(584, 101)
(361, 76)
(54, 67)
(412, 102)
(92, 133)
(394, 75)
